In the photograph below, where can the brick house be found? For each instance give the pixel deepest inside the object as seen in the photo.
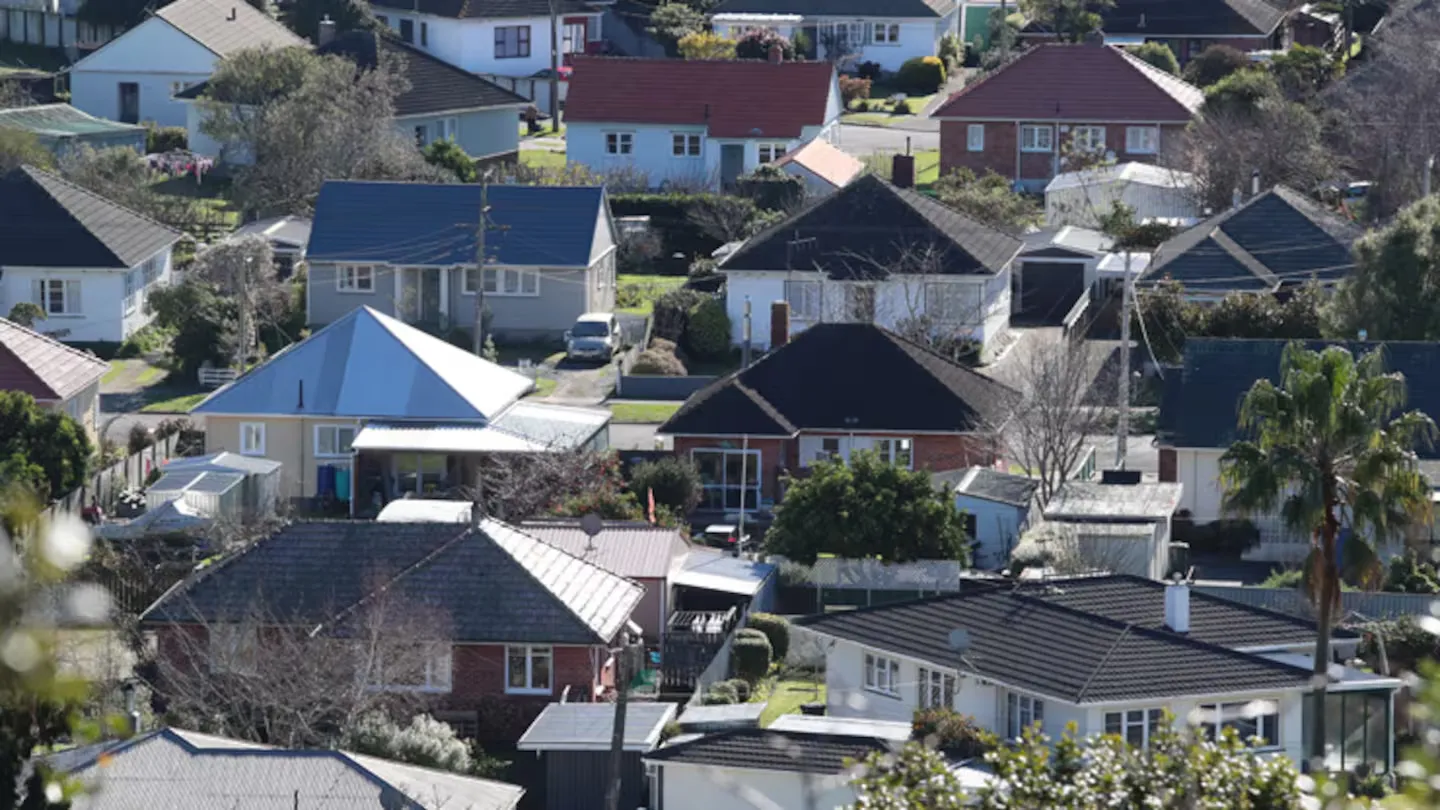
(1026, 119)
(518, 623)
(836, 388)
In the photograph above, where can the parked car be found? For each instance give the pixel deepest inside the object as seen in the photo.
(726, 536)
(595, 336)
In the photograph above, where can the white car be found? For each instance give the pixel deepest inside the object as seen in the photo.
(595, 336)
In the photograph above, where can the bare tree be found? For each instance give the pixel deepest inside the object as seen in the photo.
(1279, 139)
(244, 269)
(13, 94)
(516, 486)
(723, 218)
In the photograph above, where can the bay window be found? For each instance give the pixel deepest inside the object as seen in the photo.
(528, 669)
(1135, 726)
(730, 476)
(882, 674)
(1022, 712)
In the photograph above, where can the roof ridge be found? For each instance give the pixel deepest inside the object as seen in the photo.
(896, 337)
(32, 171)
(1243, 256)
(764, 404)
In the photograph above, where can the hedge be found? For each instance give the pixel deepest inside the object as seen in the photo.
(775, 628)
(750, 655)
(670, 216)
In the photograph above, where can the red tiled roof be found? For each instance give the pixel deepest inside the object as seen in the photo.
(735, 97)
(1098, 83)
(45, 369)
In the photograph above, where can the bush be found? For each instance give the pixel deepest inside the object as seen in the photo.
(138, 438)
(771, 189)
(165, 139)
(1215, 63)
(705, 45)
(449, 156)
(902, 107)
(707, 334)
(921, 75)
(750, 655)
(665, 364)
(776, 629)
(868, 71)
(1241, 92)
(1289, 579)
(949, 731)
(757, 42)
(702, 268)
(637, 252)
(1159, 55)
(670, 217)
(672, 313)
(951, 52)
(150, 339)
(674, 480)
(721, 694)
(1410, 573)
(742, 689)
(426, 742)
(852, 90)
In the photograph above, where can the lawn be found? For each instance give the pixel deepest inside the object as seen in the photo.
(117, 367)
(544, 386)
(927, 167)
(880, 111)
(637, 413)
(786, 697)
(543, 133)
(636, 294)
(180, 404)
(542, 158)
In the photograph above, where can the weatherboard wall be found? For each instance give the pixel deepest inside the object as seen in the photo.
(154, 55)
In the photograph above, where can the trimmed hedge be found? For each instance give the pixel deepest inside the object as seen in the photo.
(921, 75)
(670, 216)
(707, 331)
(776, 629)
(750, 655)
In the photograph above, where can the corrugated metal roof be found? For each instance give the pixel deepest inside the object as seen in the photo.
(589, 726)
(629, 549)
(715, 570)
(223, 461)
(892, 730)
(1080, 499)
(1144, 174)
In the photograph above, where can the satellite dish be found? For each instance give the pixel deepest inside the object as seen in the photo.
(591, 524)
(960, 640)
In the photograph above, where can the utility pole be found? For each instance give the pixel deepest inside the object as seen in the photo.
(617, 736)
(243, 293)
(1122, 425)
(554, 65)
(482, 259)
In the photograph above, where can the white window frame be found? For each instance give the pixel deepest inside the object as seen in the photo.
(619, 144)
(894, 449)
(686, 145)
(569, 43)
(334, 432)
(498, 282)
(1142, 140)
(885, 34)
(1087, 138)
(132, 289)
(355, 278)
(1022, 712)
(69, 296)
(852, 34)
(936, 689)
(975, 138)
(804, 300)
(436, 678)
(531, 653)
(449, 129)
(1035, 131)
(250, 430)
(1146, 720)
(882, 674)
(1237, 713)
(770, 151)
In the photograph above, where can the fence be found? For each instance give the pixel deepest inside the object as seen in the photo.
(216, 377)
(1356, 605)
(655, 386)
(104, 487)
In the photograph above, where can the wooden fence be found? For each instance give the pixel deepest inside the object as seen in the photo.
(103, 488)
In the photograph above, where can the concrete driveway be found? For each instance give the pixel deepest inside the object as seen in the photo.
(862, 141)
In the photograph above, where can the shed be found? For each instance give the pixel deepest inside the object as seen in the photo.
(1080, 198)
(1116, 525)
(261, 487)
(997, 509)
(213, 493)
(573, 742)
(62, 129)
(706, 719)
(287, 236)
(711, 579)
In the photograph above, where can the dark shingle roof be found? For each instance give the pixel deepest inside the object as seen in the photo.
(1276, 237)
(224, 26)
(843, 377)
(839, 8)
(772, 751)
(993, 485)
(48, 222)
(482, 9)
(869, 227)
(1030, 639)
(1162, 18)
(429, 224)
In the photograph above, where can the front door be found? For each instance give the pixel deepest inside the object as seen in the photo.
(129, 103)
(420, 295)
(732, 164)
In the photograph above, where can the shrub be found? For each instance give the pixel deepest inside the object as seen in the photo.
(804, 47)
(1159, 55)
(721, 694)
(750, 655)
(702, 268)
(638, 251)
(921, 75)
(705, 45)
(771, 189)
(757, 42)
(868, 71)
(742, 689)
(1288, 579)
(950, 731)
(852, 90)
(426, 742)
(672, 313)
(165, 139)
(1242, 92)
(952, 52)
(707, 334)
(1410, 573)
(674, 480)
(1215, 63)
(138, 438)
(664, 364)
(449, 156)
(776, 629)
(670, 216)
(902, 107)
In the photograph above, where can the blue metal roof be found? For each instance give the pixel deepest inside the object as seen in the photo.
(434, 225)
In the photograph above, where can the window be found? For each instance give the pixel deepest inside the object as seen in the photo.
(619, 143)
(421, 473)
(509, 281)
(528, 669)
(937, 689)
(804, 299)
(730, 477)
(333, 440)
(1135, 726)
(449, 129)
(512, 41)
(176, 88)
(683, 145)
(1022, 712)
(846, 36)
(573, 38)
(975, 138)
(252, 438)
(1256, 718)
(887, 34)
(424, 34)
(355, 278)
(57, 296)
(1142, 140)
(425, 668)
(1088, 139)
(952, 303)
(153, 267)
(407, 30)
(422, 134)
(132, 290)
(1037, 138)
(771, 152)
(829, 449)
(894, 451)
(882, 674)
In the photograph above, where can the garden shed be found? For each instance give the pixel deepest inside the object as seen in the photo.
(62, 129)
(573, 742)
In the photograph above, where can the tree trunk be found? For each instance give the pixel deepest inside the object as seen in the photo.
(1329, 586)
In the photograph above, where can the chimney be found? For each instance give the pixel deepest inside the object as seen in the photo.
(902, 171)
(779, 324)
(327, 31)
(1177, 605)
(777, 54)
(476, 514)
(1255, 183)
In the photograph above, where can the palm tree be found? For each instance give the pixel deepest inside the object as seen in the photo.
(1329, 452)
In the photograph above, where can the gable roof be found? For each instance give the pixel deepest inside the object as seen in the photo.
(1089, 500)
(484, 9)
(42, 367)
(227, 26)
(49, 222)
(333, 373)
(320, 572)
(735, 98)
(839, 8)
(1054, 81)
(1274, 238)
(870, 227)
(993, 485)
(1028, 638)
(813, 383)
(1162, 18)
(765, 750)
(835, 166)
(1131, 172)
(630, 549)
(433, 225)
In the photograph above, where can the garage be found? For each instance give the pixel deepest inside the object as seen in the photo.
(1047, 291)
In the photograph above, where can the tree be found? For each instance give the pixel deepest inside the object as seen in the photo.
(867, 509)
(304, 16)
(41, 448)
(1157, 54)
(989, 199)
(243, 271)
(1241, 93)
(1328, 454)
(1215, 63)
(671, 22)
(673, 480)
(1394, 291)
(1303, 71)
(203, 322)
(706, 45)
(449, 156)
(758, 42)
(1071, 20)
(1232, 139)
(722, 217)
(21, 148)
(26, 313)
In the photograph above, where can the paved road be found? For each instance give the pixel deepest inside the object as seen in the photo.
(861, 141)
(637, 437)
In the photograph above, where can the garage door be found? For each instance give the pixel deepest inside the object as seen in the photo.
(1048, 290)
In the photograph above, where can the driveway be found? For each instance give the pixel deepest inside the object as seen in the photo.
(923, 134)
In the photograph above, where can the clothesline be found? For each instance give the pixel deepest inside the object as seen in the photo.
(180, 163)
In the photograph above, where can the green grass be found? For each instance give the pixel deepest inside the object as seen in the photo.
(117, 367)
(636, 294)
(544, 386)
(642, 412)
(180, 404)
(543, 133)
(786, 697)
(927, 167)
(880, 112)
(542, 158)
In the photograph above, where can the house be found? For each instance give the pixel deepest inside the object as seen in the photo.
(1082, 198)
(799, 404)
(344, 432)
(1109, 654)
(856, 31)
(517, 621)
(1200, 412)
(873, 253)
(88, 262)
(53, 25)
(58, 377)
(1246, 25)
(442, 102)
(1275, 240)
(997, 509)
(135, 76)
(1118, 524)
(573, 742)
(1024, 120)
(171, 769)
(63, 129)
(822, 166)
(408, 250)
(695, 123)
(287, 236)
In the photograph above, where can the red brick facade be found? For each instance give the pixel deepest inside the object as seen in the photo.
(1000, 152)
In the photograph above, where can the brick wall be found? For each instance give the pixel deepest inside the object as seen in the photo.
(1001, 143)
(478, 685)
(951, 452)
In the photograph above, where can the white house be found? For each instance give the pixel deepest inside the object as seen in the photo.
(1082, 198)
(88, 262)
(1110, 654)
(695, 124)
(135, 76)
(886, 32)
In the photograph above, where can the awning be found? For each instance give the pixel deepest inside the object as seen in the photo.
(525, 427)
(1349, 679)
(714, 570)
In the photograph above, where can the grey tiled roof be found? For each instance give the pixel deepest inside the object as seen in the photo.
(227, 26)
(993, 485)
(482, 9)
(758, 749)
(838, 8)
(590, 726)
(43, 367)
(49, 222)
(630, 549)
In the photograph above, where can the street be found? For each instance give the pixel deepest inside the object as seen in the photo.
(922, 135)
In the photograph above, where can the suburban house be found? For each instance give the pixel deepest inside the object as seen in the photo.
(348, 434)
(1082, 198)
(442, 103)
(800, 404)
(58, 377)
(873, 253)
(287, 236)
(514, 624)
(822, 166)
(1118, 524)
(172, 768)
(1109, 654)
(695, 123)
(885, 32)
(1273, 241)
(64, 129)
(408, 250)
(1200, 412)
(86, 261)
(136, 76)
(1246, 25)
(572, 741)
(1025, 120)
(998, 508)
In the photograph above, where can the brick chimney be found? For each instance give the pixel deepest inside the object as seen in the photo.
(779, 324)
(777, 54)
(326, 34)
(902, 171)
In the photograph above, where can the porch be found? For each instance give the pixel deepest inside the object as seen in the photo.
(1359, 717)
